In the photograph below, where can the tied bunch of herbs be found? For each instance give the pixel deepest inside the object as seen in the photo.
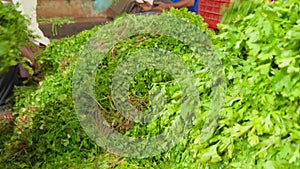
(13, 35)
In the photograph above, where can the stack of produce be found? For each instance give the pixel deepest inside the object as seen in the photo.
(258, 126)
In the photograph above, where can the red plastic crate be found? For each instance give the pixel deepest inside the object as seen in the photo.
(210, 10)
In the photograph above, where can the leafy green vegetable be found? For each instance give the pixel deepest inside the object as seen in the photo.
(50, 111)
(258, 128)
(261, 115)
(13, 35)
(238, 9)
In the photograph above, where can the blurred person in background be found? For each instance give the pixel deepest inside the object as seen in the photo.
(139, 6)
(167, 4)
(28, 9)
(17, 73)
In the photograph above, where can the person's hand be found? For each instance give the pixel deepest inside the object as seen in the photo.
(146, 6)
(162, 5)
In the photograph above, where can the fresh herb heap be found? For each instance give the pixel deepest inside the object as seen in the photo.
(258, 128)
(260, 123)
(48, 132)
(13, 35)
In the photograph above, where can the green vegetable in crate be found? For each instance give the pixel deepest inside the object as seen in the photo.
(239, 9)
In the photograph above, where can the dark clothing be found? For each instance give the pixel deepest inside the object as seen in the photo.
(8, 80)
(128, 6)
(14, 76)
(133, 7)
(123, 6)
(164, 1)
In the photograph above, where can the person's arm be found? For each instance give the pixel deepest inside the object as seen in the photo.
(180, 4)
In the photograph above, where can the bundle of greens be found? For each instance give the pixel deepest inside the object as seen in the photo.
(13, 35)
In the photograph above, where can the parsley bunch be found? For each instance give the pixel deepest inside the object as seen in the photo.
(13, 35)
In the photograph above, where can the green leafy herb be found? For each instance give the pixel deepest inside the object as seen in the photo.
(13, 35)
